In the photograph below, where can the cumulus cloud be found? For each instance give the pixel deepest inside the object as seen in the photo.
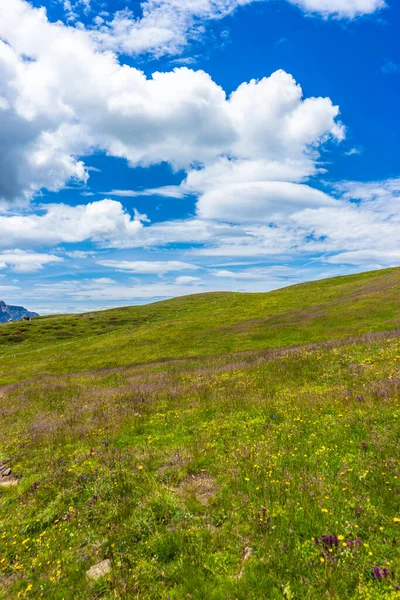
(21, 261)
(63, 98)
(147, 267)
(102, 222)
(274, 122)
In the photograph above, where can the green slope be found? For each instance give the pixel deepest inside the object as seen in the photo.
(202, 325)
(270, 474)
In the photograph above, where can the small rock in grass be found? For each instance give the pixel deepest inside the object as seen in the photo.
(8, 481)
(6, 477)
(99, 570)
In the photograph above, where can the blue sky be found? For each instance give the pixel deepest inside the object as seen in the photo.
(161, 148)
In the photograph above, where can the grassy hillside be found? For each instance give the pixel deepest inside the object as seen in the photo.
(216, 447)
(202, 325)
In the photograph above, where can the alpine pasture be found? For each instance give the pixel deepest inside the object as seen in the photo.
(212, 447)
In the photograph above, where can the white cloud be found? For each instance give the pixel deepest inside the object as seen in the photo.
(354, 152)
(80, 254)
(365, 233)
(274, 122)
(21, 261)
(186, 280)
(103, 222)
(167, 191)
(73, 7)
(367, 257)
(340, 8)
(377, 191)
(259, 202)
(65, 99)
(256, 273)
(147, 267)
(225, 171)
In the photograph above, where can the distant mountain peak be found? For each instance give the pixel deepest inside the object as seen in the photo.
(16, 313)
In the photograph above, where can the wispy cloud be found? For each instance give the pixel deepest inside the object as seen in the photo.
(167, 191)
(148, 267)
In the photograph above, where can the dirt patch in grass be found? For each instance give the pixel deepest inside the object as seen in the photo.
(174, 462)
(201, 485)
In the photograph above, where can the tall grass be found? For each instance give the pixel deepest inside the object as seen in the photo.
(268, 474)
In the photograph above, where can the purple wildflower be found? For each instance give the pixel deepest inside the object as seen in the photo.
(380, 573)
(377, 573)
(329, 541)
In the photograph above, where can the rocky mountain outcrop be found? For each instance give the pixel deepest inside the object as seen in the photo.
(16, 313)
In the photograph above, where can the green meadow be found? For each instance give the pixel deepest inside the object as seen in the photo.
(212, 447)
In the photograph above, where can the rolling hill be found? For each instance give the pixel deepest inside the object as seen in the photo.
(219, 447)
(202, 325)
